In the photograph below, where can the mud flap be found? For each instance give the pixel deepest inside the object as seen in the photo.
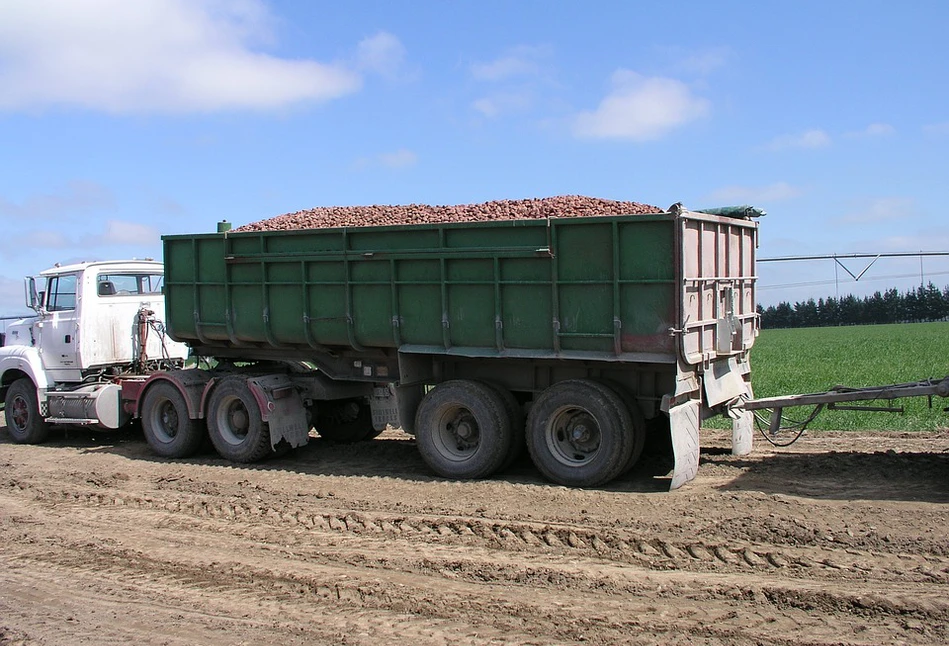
(684, 422)
(384, 406)
(743, 431)
(282, 408)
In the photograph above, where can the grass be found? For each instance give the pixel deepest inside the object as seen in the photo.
(806, 360)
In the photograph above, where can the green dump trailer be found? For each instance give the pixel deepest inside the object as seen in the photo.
(571, 337)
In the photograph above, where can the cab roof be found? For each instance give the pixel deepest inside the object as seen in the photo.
(152, 266)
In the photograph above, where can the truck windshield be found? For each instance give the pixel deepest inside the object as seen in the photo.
(129, 284)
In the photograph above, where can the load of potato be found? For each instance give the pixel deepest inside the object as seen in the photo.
(562, 206)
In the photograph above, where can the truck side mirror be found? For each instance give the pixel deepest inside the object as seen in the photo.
(34, 299)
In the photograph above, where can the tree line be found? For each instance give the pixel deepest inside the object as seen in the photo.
(916, 305)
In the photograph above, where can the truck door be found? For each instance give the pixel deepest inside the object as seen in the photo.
(59, 328)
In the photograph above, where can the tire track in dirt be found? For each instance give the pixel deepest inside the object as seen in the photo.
(654, 552)
(317, 552)
(478, 594)
(309, 529)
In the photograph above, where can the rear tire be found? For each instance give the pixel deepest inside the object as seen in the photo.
(234, 423)
(463, 430)
(515, 414)
(168, 428)
(579, 433)
(638, 429)
(21, 408)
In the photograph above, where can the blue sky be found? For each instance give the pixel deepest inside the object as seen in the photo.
(121, 121)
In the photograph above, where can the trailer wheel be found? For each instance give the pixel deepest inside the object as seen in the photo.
(463, 430)
(345, 421)
(579, 433)
(638, 428)
(516, 416)
(168, 428)
(21, 407)
(234, 423)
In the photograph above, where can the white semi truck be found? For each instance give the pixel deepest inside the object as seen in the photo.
(98, 328)
(572, 337)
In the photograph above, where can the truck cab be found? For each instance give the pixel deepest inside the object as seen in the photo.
(95, 324)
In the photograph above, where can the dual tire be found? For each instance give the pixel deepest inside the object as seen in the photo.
(466, 429)
(234, 423)
(579, 433)
(583, 433)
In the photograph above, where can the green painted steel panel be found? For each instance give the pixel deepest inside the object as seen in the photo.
(599, 287)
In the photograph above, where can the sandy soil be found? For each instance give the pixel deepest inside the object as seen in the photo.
(839, 539)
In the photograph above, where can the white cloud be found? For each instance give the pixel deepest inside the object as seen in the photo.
(937, 128)
(397, 160)
(520, 61)
(119, 232)
(873, 130)
(487, 106)
(506, 102)
(402, 158)
(640, 108)
(883, 209)
(25, 243)
(76, 197)
(11, 298)
(706, 61)
(116, 233)
(382, 53)
(153, 56)
(814, 138)
(879, 130)
(514, 81)
(754, 194)
(922, 242)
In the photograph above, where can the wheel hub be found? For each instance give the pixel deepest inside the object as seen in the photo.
(21, 413)
(238, 420)
(582, 433)
(464, 431)
(169, 420)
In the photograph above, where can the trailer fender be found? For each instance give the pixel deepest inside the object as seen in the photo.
(282, 408)
(192, 384)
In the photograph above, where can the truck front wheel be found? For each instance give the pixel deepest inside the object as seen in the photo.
(169, 430)
(463, 429)
(580, 433)
(234, 422)
(21, 406)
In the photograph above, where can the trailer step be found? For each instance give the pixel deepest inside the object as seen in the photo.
(71, 420)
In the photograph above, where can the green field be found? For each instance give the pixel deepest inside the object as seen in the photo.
(805, 360)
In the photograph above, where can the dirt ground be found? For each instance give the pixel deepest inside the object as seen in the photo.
(839, 539)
